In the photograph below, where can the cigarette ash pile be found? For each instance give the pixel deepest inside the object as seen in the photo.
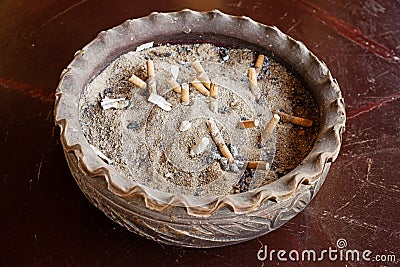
(199, 119)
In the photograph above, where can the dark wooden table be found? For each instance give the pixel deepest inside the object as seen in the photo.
(45, 220)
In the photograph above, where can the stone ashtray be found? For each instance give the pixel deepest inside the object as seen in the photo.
(198, 129)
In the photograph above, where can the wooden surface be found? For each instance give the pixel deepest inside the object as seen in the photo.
(46, 221)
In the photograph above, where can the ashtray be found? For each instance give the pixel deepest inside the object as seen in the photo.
(198, 129)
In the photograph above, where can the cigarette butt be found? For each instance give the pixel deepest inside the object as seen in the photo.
(185, 94)
(200, 87)
(198, 67)
(137, 81)
(226, 153)
(270, 127)
(259, 62)
(151, 85)
(259, 165)
(219, 140)
(296, 120)
(213, 105)
(204, 79)
(252, 76)
(249, 124)
(213, 90)
(174, 85)
(116, 103)
(253, 83)
(150, 68)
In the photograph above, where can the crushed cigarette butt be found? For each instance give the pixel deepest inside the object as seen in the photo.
(160, 101)
(115, 103)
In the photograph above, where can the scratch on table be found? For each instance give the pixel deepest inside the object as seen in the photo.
(391, 32)
(53, 132)
(354, 222)
(382, 74)
(295, 24)
(59, 14)
(28, 89)
(359, 223)
(238, 4)
(39, 169)
(366, 181)
(283, 16)
(256, 6)
(365, 130)
(373, 202)
(392, 188)
(349, 32)
(294, 228)
(369, 164)
(359, 142)
(372, 106)
(5, 137)
(373, 7)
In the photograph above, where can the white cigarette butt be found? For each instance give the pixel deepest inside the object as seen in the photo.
(160, 101)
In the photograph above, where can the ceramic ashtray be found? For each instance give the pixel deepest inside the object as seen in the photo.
(198, 129)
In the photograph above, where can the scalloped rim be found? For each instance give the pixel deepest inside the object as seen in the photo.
(291, 52)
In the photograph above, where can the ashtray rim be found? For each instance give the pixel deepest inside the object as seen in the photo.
(292, 52)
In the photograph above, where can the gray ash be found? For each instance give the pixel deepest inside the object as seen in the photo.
(134, 126)
(223, 54)
(244, 182)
